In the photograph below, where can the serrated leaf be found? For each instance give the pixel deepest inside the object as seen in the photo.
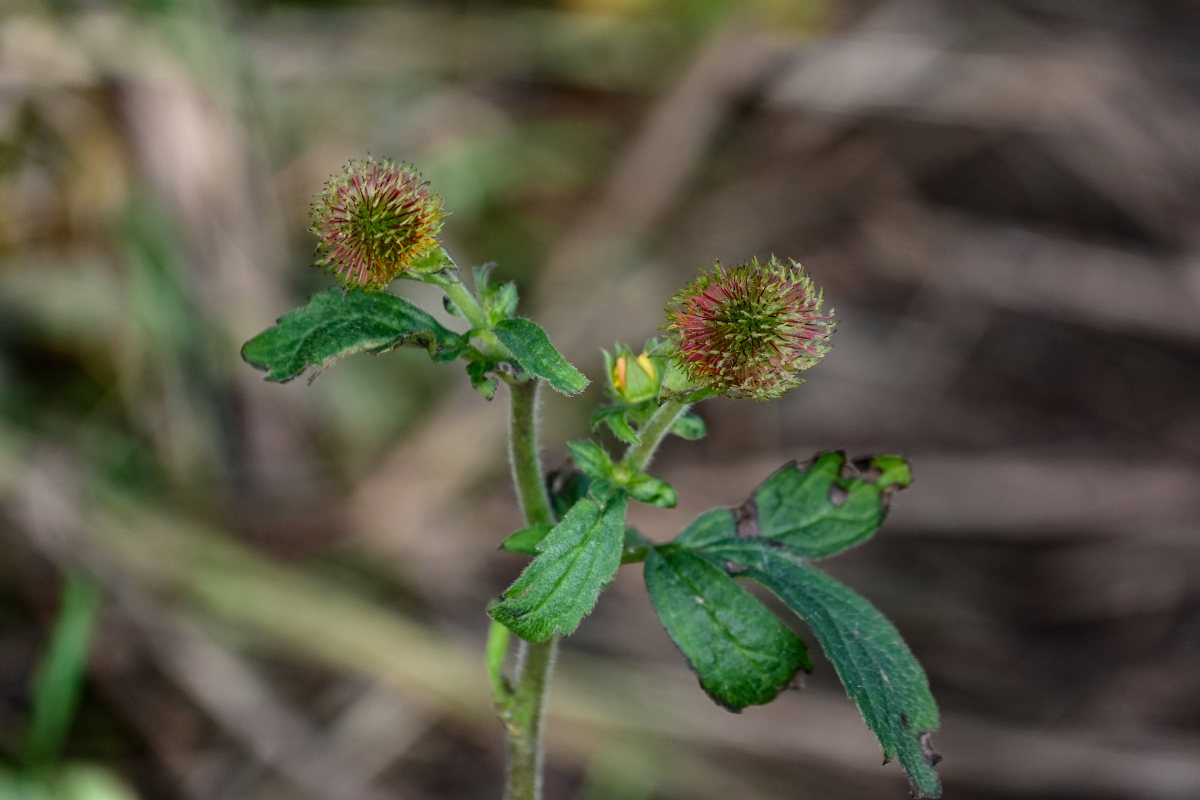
(878, 670)
(336, 324)
(532, 350)
(742, 654)
(576, 561)
(591, 459)
(825, 506)
(689, 426)
(648, 489)
(526, 540)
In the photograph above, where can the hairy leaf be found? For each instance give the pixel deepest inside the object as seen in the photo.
(878, 670)
(714, 525)
(689, 426)
(335, 324)
(654, 491)
(591, 459)
(533, 351)
(500, 301)
(576, 561)
(742, 654)
(526, 540)
(616, 419)
(636, 547)
(481, 382)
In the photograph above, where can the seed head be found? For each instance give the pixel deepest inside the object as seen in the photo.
(375, 222)
(750, 330)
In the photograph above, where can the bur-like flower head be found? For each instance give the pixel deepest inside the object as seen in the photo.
(375, 221)
(749, 330)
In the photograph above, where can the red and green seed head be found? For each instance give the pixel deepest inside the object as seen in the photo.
(375, 222)
(749, 330)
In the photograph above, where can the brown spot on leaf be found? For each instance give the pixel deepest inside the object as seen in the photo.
(932, 757)
(745, 520)
(904, 721)
(837, 495)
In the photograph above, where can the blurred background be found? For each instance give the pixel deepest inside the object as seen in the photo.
(215, 588)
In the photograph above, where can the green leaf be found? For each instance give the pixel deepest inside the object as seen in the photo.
(500, 301)
(648, 489)
(677, 385)
(452, 308)
(566, 487)
(636, 546)
(878, 670)
(481, 382)
(533, 351)
(615, 418)
(825, 506)
(526, 540)
(742, 654)
(577, 560)
(436, 260)
(483, 277)
(495, 653)
(591, 459)
(336, 324)
(689, 426)
(715, 525)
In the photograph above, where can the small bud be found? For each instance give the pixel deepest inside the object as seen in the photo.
(375, 221)
(749, 331)
(633, 379)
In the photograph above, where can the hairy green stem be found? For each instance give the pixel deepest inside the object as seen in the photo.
(461, 296)
(524, 455)
(652, 433)
(535, 664)
(524, 706)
